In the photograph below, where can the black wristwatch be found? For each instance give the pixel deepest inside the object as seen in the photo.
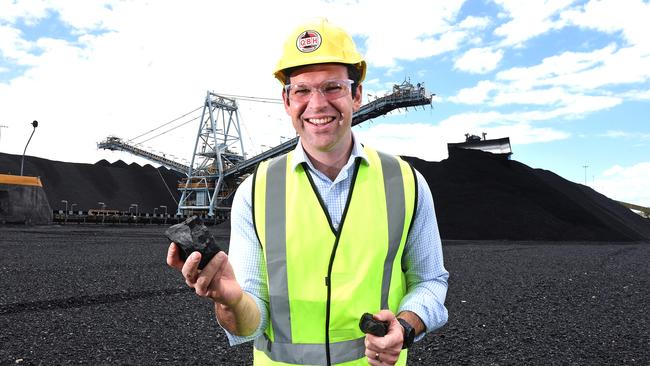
(409, 333)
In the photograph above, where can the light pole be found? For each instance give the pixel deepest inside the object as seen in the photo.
(65, 218)
(585, 166)
(154, 215)
(135, 218)
(165, 207)
(72, 207)
(22, 161)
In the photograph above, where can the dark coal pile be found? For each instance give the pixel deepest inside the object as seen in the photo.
(118, 185)
(478, 196)
(481, 196)
(93, 295)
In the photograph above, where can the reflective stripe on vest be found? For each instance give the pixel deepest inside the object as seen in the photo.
(279, 344)
(276, 259)
(310, 354)
(394, 188)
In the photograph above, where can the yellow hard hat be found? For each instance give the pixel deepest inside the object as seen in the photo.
(319, 42)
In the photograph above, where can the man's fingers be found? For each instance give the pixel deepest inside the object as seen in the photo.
(388, 346)
(173, 257)
(190, 269)
(220, 260)
(384, 315)
(211, 271)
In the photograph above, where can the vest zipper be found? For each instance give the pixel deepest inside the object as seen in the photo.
(357, 163)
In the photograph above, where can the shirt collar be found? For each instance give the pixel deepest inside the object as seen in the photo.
(299, 155)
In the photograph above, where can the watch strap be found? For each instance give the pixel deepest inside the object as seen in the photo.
(409, 333)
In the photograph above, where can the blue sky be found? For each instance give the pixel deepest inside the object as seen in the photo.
(567, 81)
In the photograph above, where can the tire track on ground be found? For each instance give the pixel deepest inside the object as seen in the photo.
(88, 300)
(614, 256)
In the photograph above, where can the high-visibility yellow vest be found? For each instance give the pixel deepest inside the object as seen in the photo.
(321, 280)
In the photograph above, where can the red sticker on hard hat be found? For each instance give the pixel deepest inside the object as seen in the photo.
(308, 41)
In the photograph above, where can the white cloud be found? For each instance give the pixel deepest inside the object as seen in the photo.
(567, 84)
(554, 102)
(472, 22)
(637, 95)
(608, 66)
(629, 17)
(87, 15)
(544, 97)
(552, 69)
(571, 84)
(478, 94)
(30, 11)
(142, 74)
(626, 183)
(136, 65)
(616, 134)
(429, 142)
(385, 50)
(13, 47)
(479, 60)
(629, 65)
(388, 38)
(529, 19)
(516, 125)
(393, 70)
(642, 136)
(579, 105)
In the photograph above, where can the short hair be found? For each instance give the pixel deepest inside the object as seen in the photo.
(353, 73)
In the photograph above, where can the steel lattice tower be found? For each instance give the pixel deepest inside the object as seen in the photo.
(218, 138)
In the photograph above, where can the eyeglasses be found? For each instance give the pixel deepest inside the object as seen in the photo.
(330, 89)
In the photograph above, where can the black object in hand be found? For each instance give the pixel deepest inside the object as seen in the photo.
(192, 235)
(368, 324)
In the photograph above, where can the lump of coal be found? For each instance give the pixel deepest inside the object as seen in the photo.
(191, 236)
(369, 324)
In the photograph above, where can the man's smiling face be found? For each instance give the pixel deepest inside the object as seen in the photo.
(324, 125)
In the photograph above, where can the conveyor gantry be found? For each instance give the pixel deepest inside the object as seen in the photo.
(404, 95)
(220, 170)
(115, 143)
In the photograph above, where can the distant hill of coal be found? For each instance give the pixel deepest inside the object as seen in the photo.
(118, 185)
(480, 196)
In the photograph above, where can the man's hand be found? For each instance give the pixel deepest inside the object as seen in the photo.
(385, 350)
(216, 281)
(236, 311)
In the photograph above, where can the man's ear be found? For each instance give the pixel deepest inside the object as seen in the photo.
(285, 100)
(358, 98)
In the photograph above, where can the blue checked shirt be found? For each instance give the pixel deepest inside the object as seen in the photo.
(426, 276)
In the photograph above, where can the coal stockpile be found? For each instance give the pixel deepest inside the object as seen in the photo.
(117, 185)
(89, 294)
(482, 196)
(478, 196)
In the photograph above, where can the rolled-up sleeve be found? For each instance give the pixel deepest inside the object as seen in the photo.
(426, 276)
(246, 257)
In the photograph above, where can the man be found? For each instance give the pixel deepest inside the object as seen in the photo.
(327, 232)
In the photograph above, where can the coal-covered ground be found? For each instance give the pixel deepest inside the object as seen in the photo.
(89, 294)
